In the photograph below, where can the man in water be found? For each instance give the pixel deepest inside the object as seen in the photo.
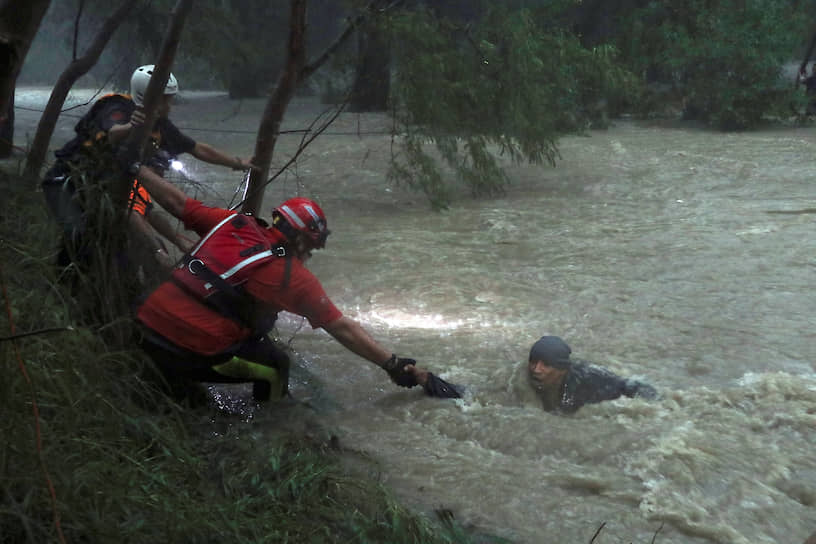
(564, 384)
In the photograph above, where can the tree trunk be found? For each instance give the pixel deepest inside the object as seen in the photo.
(136, 141)
(373, 81)
(294, 72)
(7, 131)
(276, 106)
(19, 21)
(77, 68)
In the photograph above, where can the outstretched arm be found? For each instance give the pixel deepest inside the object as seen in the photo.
(169, 197)
(352, 336)
(163, 227)
(207, 153)
(153, 244)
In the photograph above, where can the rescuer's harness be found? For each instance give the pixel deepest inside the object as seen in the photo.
(216, 269)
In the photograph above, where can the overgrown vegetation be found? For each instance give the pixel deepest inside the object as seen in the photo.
(724, 60)
(508, 85)
(129, 465)
(474, 81)
(514, 80)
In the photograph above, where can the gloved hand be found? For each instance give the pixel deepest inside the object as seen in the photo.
(395, 366)
(437, 387)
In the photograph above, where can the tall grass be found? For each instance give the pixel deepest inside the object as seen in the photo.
(126, 463)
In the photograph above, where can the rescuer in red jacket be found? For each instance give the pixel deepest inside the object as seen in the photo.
(225, 294)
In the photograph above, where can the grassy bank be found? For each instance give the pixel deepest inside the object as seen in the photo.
(93, 452)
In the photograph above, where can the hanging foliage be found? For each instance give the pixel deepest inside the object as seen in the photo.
(509, 84)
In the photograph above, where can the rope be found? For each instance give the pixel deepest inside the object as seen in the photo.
(36, 413)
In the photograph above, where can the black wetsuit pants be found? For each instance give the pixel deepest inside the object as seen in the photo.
(179, 365)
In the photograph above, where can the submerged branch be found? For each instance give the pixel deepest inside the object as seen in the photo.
(597, 532)
(656, 532)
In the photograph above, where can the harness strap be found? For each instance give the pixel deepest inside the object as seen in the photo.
(287, 272)
(232, 301)
(227, 299)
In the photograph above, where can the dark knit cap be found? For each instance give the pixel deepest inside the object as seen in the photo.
(552, 351)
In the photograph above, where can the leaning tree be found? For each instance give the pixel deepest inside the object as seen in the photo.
(78, 67)
(19, 21)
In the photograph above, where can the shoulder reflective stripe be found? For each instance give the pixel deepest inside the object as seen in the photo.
(312, 213)
(247, 262)
(292, 216)
(209, 234)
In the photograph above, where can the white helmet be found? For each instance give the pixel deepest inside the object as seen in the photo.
(140, 79)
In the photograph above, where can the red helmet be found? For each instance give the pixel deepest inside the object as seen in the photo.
(305, 216)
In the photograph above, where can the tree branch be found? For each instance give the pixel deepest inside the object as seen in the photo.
(354, 23)
(656, 532)
(597, 532)
(134, 146)
(76, 69)
(277, 104)
(308, 137)
(76, 28)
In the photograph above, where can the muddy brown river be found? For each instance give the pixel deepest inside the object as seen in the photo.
(666, 252)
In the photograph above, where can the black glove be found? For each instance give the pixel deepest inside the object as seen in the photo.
(437, 387)
(395, 366)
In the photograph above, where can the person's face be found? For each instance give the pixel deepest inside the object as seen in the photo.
(303, 248)
(545, 374)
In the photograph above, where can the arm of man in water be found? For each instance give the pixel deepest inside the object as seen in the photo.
(354, 338)
(590, 384)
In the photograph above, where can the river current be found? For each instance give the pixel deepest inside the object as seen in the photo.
(666, 252)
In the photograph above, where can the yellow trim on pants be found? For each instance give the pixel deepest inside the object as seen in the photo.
(243, 369)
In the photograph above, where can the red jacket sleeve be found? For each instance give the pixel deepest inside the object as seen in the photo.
(302, 294)
(200, 218)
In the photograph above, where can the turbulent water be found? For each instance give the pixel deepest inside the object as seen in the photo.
(653, 249)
